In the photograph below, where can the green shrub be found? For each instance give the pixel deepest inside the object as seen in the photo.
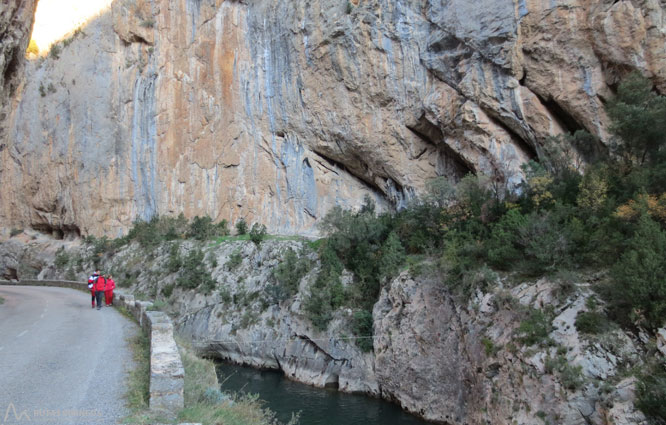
(637, 114)
(276, 293)
(651, 393)
(591, 322)
(639, 289)
(174, 261)
(194, 273)
(235, 259)
(357, 240)
(257, 233)
(201, 228)
(54, 53)
(535, 328)
(62, 258)
(327, 292)
(545, 243)
(419, 227)
(145, 232)
(222, 228)
(290, 271)
(570, 375)
(225, 295)
(167, 290)
(391, 257)
(248, 319)
(158, 229)
(241, 227)
(473, 196)
(363, 329)
(503, 248)
(462, 263)
(489, 347)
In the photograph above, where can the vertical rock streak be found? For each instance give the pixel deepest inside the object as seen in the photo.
(144, 147)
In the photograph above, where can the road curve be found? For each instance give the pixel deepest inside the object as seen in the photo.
(61, 362)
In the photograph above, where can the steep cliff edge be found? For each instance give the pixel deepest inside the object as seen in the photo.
(277, 111)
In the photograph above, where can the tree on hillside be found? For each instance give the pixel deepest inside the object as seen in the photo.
(640, 276)
(638, 115)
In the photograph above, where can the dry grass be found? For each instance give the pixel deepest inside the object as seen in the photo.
(204, 402)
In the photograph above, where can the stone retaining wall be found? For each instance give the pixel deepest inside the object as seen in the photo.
(166, 367)
(83, 286)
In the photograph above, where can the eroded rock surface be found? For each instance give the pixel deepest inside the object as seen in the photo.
(16, 19)
(276, 111)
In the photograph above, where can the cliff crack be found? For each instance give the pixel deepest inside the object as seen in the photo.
(318, 348)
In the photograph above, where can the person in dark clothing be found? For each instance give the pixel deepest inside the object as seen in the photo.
(91, 285)
(100, 287)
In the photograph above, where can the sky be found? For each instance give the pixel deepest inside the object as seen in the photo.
(56, 18)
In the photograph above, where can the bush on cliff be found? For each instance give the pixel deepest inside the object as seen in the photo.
(291, 270)
(257, 233)
(326, 293)
(651, 393)
(639, 290)
(194, 274)
(241, 227)
(638, 117)
(203, 228)
(362, 329)
(62, 258)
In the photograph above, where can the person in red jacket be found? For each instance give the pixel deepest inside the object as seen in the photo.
(100, 287)
(108, 292)
(91, 285)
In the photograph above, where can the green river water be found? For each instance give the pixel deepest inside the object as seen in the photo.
(316, 406)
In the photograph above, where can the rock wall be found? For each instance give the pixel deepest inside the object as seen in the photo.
(16, 19)
(276, 111)
(455, 362)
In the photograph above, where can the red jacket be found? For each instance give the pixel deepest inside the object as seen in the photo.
(110, 285)
(100, 285)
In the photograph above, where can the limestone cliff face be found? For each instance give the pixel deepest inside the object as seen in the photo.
(276, 111)
(16, 19)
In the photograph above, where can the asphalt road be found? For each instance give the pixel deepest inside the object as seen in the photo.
(61, 362)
